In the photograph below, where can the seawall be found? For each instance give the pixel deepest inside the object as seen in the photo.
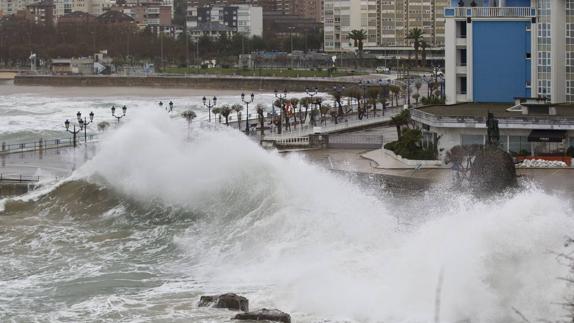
(191, 82)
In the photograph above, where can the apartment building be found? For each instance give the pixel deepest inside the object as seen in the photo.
(244, 19)
(343, 16)
(534, 58)
(387, 22)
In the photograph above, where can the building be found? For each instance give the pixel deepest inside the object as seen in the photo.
(309, 9)
(387, 23)
(153, 15)
(244, 19)
(481, 66)
(42, 12)
(535, 58)
(115, 17)
(342, 16)
(76, 17)
(11, 7)
(213, 30)
(283, 6)
(528, 127)
(93, 7)
(277, 24)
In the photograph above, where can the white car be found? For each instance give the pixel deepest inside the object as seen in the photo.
(383, 70)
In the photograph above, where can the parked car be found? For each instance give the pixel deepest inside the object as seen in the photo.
(383, 70)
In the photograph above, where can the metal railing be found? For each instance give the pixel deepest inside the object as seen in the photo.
(295, 141)
(19, 178)
(307, 130)
(42, 144)
(486, 12)
(511, 122)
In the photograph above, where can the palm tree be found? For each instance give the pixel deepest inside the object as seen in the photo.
(373, 93)
(401, 119)
(324, 110)
(305, 103)
(358, 36)
(225, 111)
(424, 46)
(416, 96)
(416, 36)
(102, 126)
(396, 91)
(294, 104)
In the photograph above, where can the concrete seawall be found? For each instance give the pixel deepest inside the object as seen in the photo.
(191, 82)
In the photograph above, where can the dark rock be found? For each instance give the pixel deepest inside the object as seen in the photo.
(265, 315)
(492, 171)
(230, 301)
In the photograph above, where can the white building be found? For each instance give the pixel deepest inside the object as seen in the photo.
(343, 16)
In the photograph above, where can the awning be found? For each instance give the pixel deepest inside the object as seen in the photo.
(547, 135)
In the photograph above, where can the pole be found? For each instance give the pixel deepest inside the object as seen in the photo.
(74, 136)
(247, 119)
(186, 50)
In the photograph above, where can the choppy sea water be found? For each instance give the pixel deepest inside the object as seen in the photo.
(154, 220)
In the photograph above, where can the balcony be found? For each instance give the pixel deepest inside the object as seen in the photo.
(490, 12)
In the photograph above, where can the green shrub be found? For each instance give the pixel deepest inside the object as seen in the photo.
(409, 147)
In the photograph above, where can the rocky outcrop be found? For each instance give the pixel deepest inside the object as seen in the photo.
(492, 171)
(230, 301)
(265, 315)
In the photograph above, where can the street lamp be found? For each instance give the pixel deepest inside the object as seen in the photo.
(170, 109)
(281, 97)
(73, 132)
(312, 94)
(85, 123)
(209, 104)
(161, 104)
(339, 92)
(118, 117)
(247, 102)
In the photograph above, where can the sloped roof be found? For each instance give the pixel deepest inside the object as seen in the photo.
(112, 16)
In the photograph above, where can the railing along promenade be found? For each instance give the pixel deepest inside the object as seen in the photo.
(42, 144)
(487, 12)
(526, 122)
(307, 130)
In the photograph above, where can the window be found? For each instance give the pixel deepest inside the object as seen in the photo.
(472, 140)
(519, 145)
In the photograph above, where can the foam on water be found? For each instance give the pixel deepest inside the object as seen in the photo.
(293, 236)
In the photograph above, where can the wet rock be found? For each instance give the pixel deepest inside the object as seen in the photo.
(265, 315)
(230, 301)
(492, 171)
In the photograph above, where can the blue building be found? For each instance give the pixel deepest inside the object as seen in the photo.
(489, 50)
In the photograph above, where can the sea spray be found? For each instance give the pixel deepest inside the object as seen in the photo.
(292, 235)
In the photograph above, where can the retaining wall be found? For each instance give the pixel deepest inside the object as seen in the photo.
(192, 82)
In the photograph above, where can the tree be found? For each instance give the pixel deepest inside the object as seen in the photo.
(188, 115)
(416, 96)
(396, 91)
(225, 111)
(215, 112)
(416, 36)
(373, 93)
(102, 126)
(238, 108)
(358, 37)
(400, 120)
(324, 110)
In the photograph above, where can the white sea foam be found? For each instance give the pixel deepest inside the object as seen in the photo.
(294, 236)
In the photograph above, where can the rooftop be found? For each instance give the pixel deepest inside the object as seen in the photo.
(478, 110)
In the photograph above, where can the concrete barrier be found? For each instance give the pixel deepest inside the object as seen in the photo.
(192, 82)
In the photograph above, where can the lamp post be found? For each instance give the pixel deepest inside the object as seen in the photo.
(118, 117)
(209, 104)
(281, 97)
(161, 105)
(364, 85)
(85, 123)
(312, 94)
(247, 102)
(170, 106)
(339, 92)
(73, 132)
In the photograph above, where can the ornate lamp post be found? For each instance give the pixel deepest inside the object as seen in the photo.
(118, 117)
(247, 102)
(170, 106)
(161, 104)
(339, 92)
(281, 97)
(312, 94)
(74, 132)
(209, 104)
(85, 123)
